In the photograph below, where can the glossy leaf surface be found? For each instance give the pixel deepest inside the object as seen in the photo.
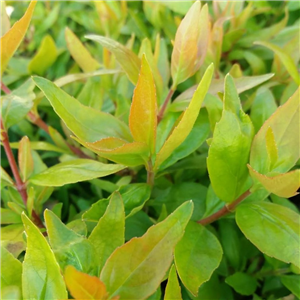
(140, 265)
(173, 290)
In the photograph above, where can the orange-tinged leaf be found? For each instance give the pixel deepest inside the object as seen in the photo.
(283, 185)
(187, 121)
(191, 42)
(79, 52)
(12, 38)
(285, 124)
(83, 286)
(143, 112)
(118, 150)
(25, 158)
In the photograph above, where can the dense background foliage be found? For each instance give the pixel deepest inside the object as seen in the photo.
(73, 44)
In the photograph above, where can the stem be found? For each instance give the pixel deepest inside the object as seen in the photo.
(150, 174)
(272, 272)
(165, 104)
(224, 210)
(4, 88)
(38, 121)
(21, 187)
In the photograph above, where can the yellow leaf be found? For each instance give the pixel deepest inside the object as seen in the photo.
(83, 286)
(191, 42)
(187, 121)
(143, 112)
(119, 151)
(79, 52)
(283, 185)
(12, 38)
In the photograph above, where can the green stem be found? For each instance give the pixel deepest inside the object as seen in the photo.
(150, 174)
(224, 210)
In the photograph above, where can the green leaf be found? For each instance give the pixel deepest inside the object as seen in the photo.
(45, 56)
(11, 270)
(285, 127)
(74, 171)
(12, 239)
(126, 58)
(186, 121)
(173, 290)
(80, 53)
(69, 247)
(87, 123)
(197, 255)
(136, 269)
(265, 224)
(109, 232)
(25, 158)
(229, 151)
(292, 283)
(41, 277)
(11, 292)
(9, 217)
(242, 283)
(286, 60)
(264, 105)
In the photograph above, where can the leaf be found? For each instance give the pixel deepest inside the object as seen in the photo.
(286, 60)
(217, 85)
(283, 185)
(80, 53)
(136, 269)
(264, 224)
(129, 62)
(45, 56)
(187, 121)
(190, 45)
(5, 23)
(197, 255)
(74, 171)
(143, 111)
(25, 158)
(87, 123)
(242, 283)
(173, 290)
(41, 277)
(292, 283)
(9, 217)
(69, 247)
(109, 232)
(11, 270)
(12, 239)
(119, 151)
(229, 151)
(285, 127)
(11, 40)
(83, 286)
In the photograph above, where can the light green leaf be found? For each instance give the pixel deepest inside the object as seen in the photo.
(229, 151)
(110, 230)
(264, 224)
(187, 121)
(126, 58)
(11, 270)
(74, 171)
(41, 277)
(242, 283)
(197, 255)
(11, 292)
(285, 126)
(136, 269)
(286, 60)
(69, 247)
(87, 123)
(173, 290)
(12, 239)
(45, 56)
(292, 283)
(9, 217)
(25, 158)
(80, 53)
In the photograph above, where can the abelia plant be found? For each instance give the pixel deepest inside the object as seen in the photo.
(150, 150)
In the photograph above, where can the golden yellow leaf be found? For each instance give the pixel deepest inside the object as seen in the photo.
(12, 38)
(283, 185)
(143, 112)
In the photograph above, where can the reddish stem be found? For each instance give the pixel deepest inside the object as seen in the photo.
(224, 210)
(38, 122)
(4, 88)
(164, 106)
